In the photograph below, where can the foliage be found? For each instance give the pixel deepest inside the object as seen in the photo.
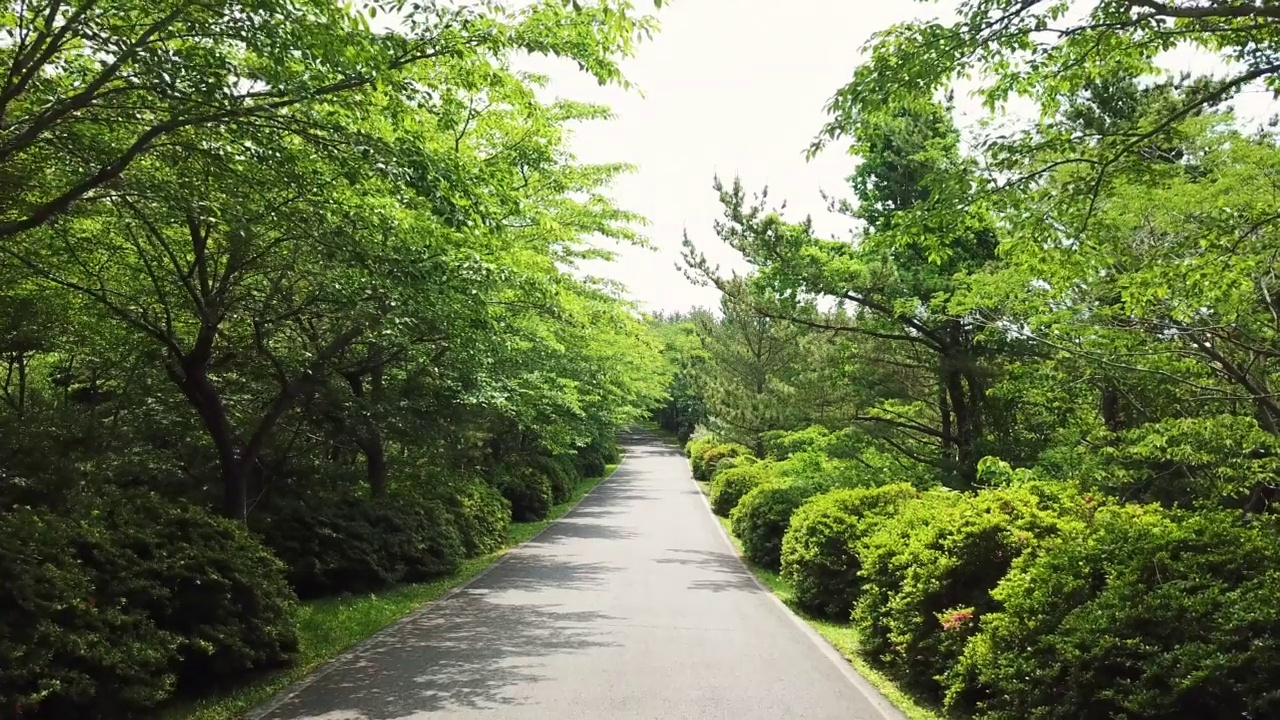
(684, 409)
(128, 598)
(761, 517)
(750, 359)
(1145, 613)
(336, 542)
(920, 376)
(731, 462)
(479, 512)
(699, 443)
(591, 460)
(64, 652)
(730, 485)
(528, 492)
(820, 547)
(929, 571)
(782, 444)
(1063, 309)
(1206, 462)
(706, 451)
(197, 576)
(706, 464)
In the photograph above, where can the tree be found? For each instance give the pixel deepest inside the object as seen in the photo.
(925, 230)
(91, 87)
(751, 360)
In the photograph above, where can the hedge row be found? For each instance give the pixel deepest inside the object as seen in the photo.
(124, 599)
(121, 599)
(1031, 600)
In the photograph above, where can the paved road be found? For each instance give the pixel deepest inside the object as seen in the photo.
(632, 606)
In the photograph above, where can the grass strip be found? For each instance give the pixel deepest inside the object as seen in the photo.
(329, 626)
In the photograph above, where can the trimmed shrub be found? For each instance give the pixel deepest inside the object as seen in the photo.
(761, 518)
(928, 574)
(339, 543)
(730, 485)
(529, 492)
(479, 512)
(197, 576)
(733, 462)
(1145, 614)
(820, 547)
(419, 537)
(704, 464)
(108, 611)
(328, 542)
(699, 444)
(564, 476)
(782, 444)
(64, 651)
(592, 460)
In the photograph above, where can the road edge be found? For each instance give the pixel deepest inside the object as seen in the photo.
(288, 692)
(877, 700)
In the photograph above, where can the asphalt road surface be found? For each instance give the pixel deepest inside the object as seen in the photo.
(634, 605)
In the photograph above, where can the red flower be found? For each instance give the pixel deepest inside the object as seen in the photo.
(957, 618)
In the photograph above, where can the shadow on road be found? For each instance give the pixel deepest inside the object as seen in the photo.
(582, 529)
(730, 575)
(469, 652)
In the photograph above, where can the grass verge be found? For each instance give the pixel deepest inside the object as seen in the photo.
(329, 626)
(842, 636)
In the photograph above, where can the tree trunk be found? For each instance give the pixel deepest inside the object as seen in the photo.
(966, 394)
(193, 379)
(1111, 408)
(368, 438)
(375, 462)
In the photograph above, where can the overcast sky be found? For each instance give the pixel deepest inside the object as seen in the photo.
(737, 87)
(729, 87)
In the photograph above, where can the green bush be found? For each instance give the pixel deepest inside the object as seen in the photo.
(820, 547)
(592, 460)
(328, 542)
(761, 518)
(699, 444)
(529, 492)
(704, 464)
(733, 462)
(66, 652)
(197, 576)
(419, 537)
(479, 512)
(334, 543)
(1145, 614)
(928, 573)
(128, 598)
(730, 485)
(565, 477)
(782, 444)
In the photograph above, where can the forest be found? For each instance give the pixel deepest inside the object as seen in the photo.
(290, 307)
(1020, 430)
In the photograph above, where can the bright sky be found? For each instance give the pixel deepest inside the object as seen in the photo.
(735, 87)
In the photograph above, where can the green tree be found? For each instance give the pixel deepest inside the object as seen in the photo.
(751, 359)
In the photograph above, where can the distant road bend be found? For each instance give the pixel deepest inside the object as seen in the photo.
(632, 606)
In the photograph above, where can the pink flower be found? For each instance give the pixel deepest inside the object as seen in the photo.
(957, 618)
